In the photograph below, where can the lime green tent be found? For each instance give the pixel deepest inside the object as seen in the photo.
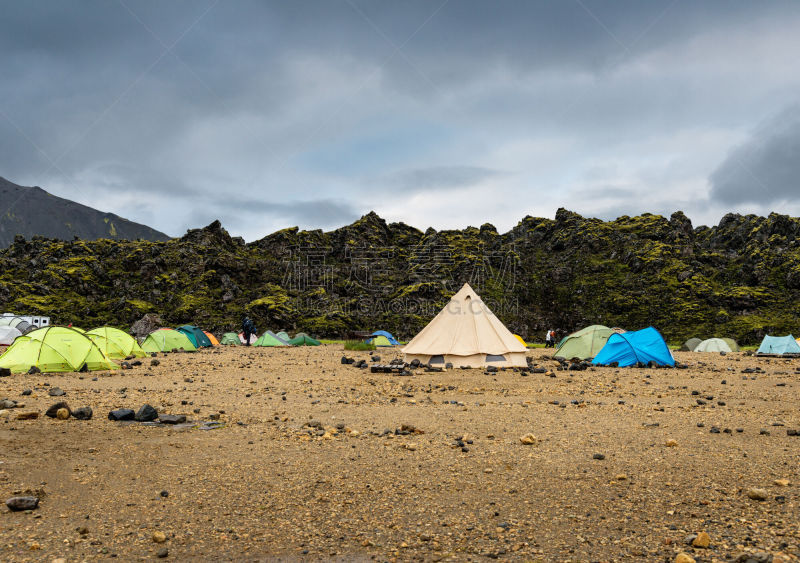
(585, 343)
(269, 339)
(54, 349)
(167, 340)
(380, 340)
(115, 343)
(230, 339)
(302, 339)
(732, 344)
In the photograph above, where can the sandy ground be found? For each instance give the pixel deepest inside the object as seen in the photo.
(265, 486)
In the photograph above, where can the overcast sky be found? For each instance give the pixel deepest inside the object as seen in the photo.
(437, 113)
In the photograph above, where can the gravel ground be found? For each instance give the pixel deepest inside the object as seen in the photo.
(311, 461)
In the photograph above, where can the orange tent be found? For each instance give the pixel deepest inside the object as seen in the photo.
(212, 338)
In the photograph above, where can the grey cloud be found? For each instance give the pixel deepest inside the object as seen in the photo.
(439, 178)
(766, 168)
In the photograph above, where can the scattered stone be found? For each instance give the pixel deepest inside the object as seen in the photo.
(34, 370)
(62, 414)
(781, 482)
(154, 362)
(671, 443)
(28, 416)
(26, 392)
(83, 413)
(162, 553)
(5, 372)
(146, 413)
(164, 494)
(159, 537)
(8, 404)
(52, 412)
(703, 540)
(598, 456)
(121, 414)
(56, 392)
(18, 504)
(172, 418)
(684, 558)
(757, 494)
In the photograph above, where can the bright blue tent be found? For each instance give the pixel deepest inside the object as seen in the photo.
(392, 340)
(779, 345)
(629, 348)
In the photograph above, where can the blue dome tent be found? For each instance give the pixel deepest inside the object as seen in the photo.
(629, 348)
(392, 340)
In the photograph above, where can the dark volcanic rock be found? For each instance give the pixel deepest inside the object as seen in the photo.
(16, 504)
(51, 412)
(83, 413)
(121, 414)
(146, 413)
(172, 418)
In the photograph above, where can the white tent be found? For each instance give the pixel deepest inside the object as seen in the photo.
(8, 334)
(466, 333)
(713, 345)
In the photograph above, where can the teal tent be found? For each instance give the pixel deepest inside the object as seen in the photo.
(779, 345)
(197, 336)
(630, 348)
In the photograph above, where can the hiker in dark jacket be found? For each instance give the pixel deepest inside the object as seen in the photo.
(248, 328)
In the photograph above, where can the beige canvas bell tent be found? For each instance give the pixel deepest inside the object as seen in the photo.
(466, 333)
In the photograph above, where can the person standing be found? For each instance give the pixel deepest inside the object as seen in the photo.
(548, 339)
(248, 328)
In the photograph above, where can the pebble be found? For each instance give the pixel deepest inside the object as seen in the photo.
(159, 537)
(684, 558)
(162, 553)
(757, 494)
(52, 412)
(703, 540)
(56, 392)
(528, 440)
(671, 443)
(598, 456)
(781, 482)
(62, 414)
(26, 392)
(28, 416)
(171, 418)
(17, 504)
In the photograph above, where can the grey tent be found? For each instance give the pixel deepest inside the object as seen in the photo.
(690, 345)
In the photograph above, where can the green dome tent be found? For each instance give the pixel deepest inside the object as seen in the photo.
(734, 346)
(55, 349)
(230, 339)
(690, 345)
(283, 336)
(585, 343)
(712, 345)
(269, 339)
(197, 336)
(302, 339)
(167, 340)
(115, 343)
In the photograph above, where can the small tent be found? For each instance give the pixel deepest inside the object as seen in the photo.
(283, 336)
(640, 346)
(585, 343)
(779, 345)
(268, 339)
(732, 344)
(8, 334)
(167, 340)
(54, 349)
(17, 322)
(115, 343)
(713, 345)
(230, 339)
(387, 340)
(690, 345)
(466, 333)
(197, 336)
(277, 337)
(211, 338)
(302, 339)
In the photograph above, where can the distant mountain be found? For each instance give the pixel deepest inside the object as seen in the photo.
(33, 211)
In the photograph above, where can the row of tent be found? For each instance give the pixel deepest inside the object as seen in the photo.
(269, 339)
(710, 345)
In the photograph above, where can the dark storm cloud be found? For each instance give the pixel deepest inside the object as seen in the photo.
(766, 168)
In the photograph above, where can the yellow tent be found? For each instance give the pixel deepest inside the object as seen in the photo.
(518, 337)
